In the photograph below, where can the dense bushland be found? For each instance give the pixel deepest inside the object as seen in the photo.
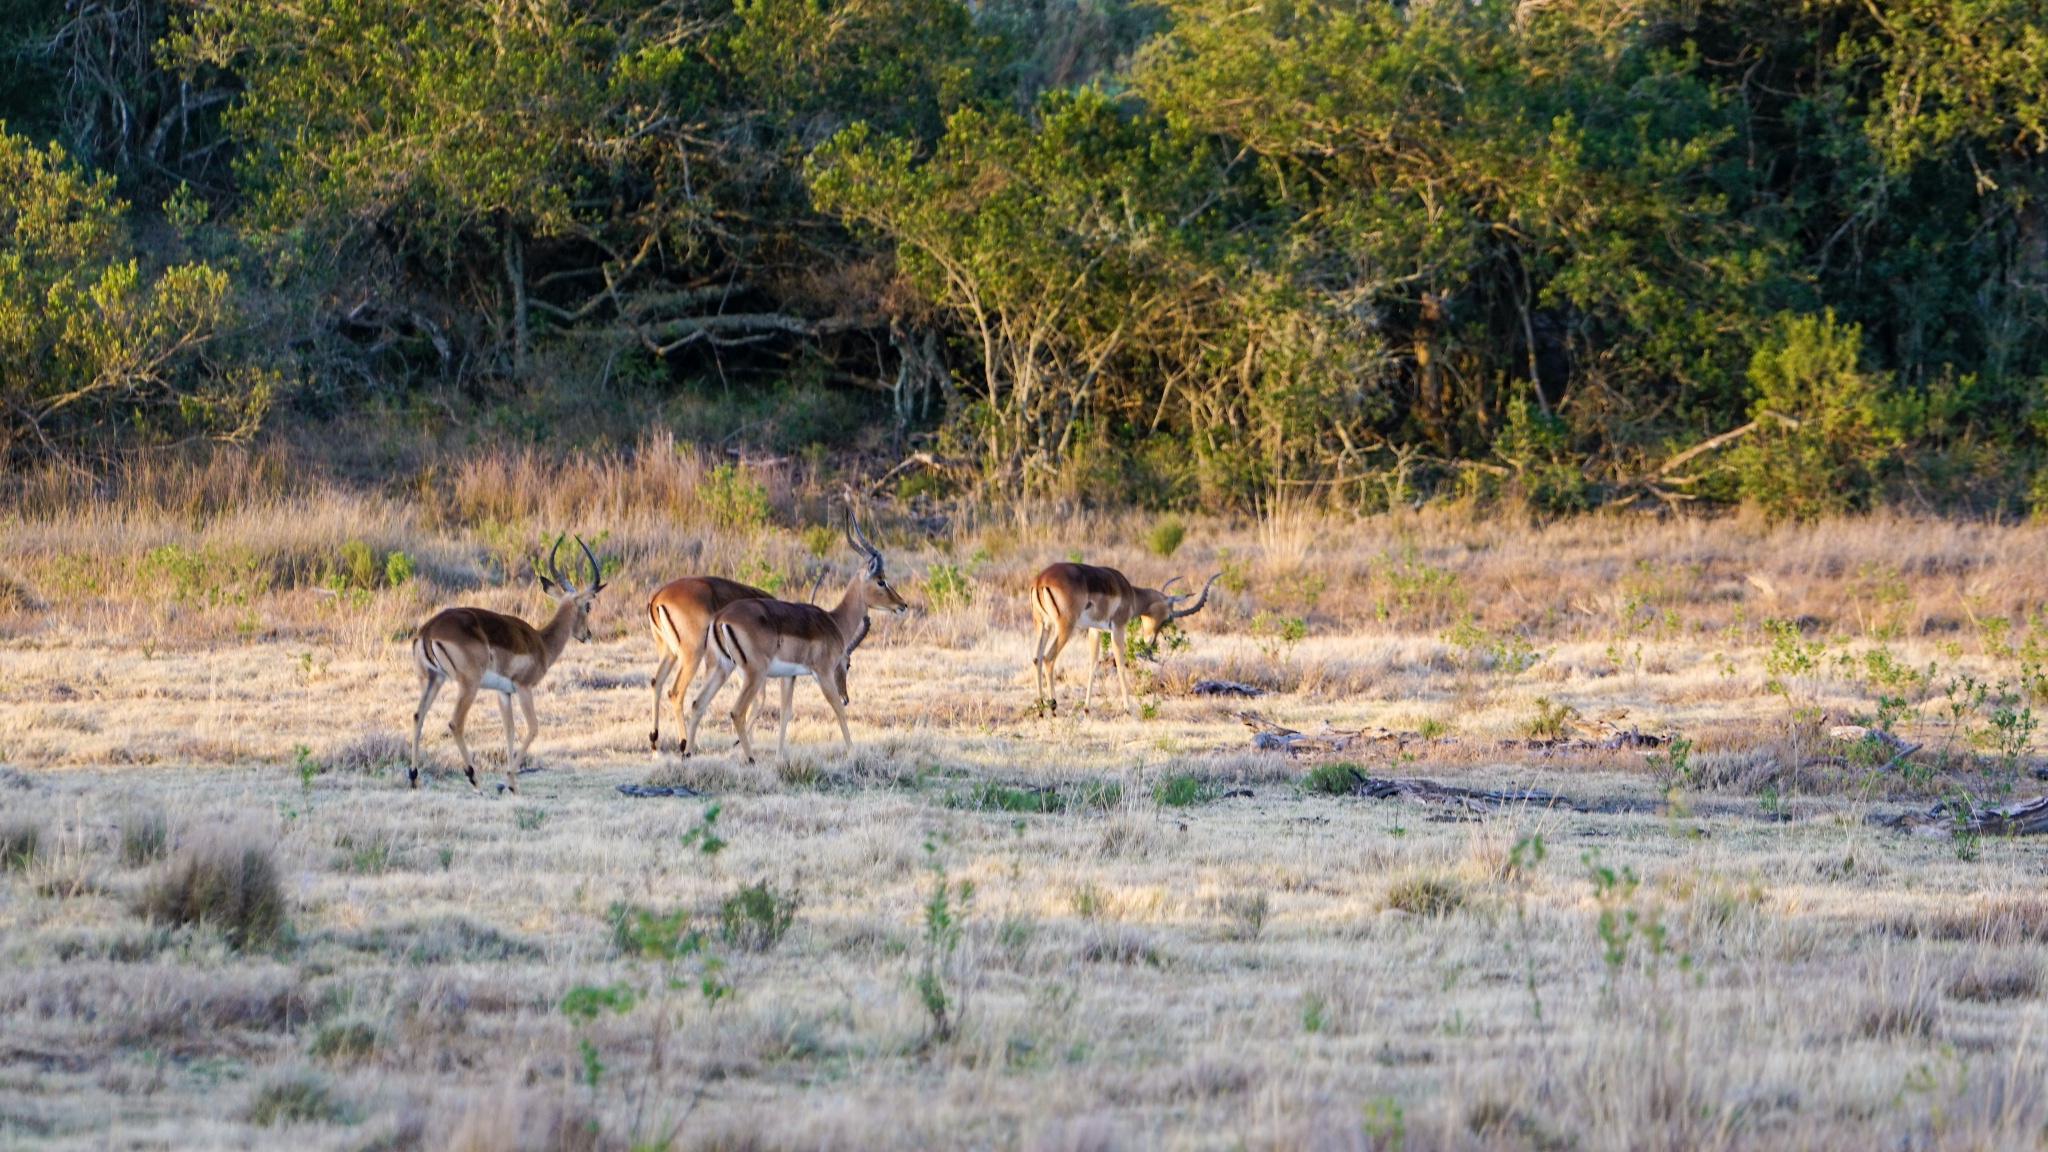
(1186, 254)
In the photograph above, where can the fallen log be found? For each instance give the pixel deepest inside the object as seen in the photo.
(1223, 688)
(1963, 817)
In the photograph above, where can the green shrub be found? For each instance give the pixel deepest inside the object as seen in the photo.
(1165, 537)
(230, 886)
(756, 917)
(656, 935)
(20, 844)
(1550, 719)
(399, 568)
(733, 499)
(1183, 790)
(1806, 369)
(1333, 779)
(945, 585)
(95, 352)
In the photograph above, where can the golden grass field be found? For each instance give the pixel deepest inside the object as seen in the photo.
(1727, 956)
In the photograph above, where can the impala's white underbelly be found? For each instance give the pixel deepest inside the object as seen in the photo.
(496, 683)
(778, 668)
(1087, 621)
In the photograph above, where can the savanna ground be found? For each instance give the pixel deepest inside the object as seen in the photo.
(226, 923)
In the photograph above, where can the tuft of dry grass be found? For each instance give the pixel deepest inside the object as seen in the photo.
(222, 882)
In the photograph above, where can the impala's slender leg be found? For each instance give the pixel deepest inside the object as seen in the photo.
(419, 719)
(719, 672)
(512, 750)
(1116, 647)
(838, 710)
(1061, 633)
(741, 708)
(1094, 659)
(668, 663)
(782, 731)
(465, 695)
(532, 721)
(690, 655)
(1039, 679)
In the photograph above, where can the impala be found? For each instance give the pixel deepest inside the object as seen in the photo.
(780, 639)
(477, 648)
(680, 615)
(1069, 596)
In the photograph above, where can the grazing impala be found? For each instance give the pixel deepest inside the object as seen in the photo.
(481, 649)
(680, 615)
(1069, 596)
(783, 640)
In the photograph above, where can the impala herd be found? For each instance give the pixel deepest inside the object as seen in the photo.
(748, 629)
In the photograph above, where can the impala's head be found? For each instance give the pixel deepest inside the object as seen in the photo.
(874, 586)
(566, 594)
(1158, 607)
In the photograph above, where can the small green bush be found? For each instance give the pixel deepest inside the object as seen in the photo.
(1333, 779)
(756, 917)
(1183, 790)
(1550, 719)
(1807, 369)
(945, 586)
(20, 844)
(733, 499)
(298, 1100)
(1166, 535)
(638, 931)
(145, 838)
(399, 568)
(229, 886)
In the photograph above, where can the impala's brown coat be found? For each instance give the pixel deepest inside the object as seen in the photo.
(782, 639)
(477, 648)
(680, 615)
(1067, 596)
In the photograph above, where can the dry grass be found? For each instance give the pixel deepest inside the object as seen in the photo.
(1743, 963)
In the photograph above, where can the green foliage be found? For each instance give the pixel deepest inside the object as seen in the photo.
(946, 586)
(1807, 371)
(587, 1002)
(1165, 537)
(343, 1041)
(944, 914)
(734, 499)
(638, 931)
(1551, 719)
(1342, 779)
(990, 795)
(1183, 790)
(756, 917)
(95, 354)
(704, 835)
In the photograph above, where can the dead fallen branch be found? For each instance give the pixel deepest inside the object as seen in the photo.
(1964, 817)
(1223, 688)
(1419, 791)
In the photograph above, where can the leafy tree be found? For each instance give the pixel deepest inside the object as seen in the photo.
(96, 354)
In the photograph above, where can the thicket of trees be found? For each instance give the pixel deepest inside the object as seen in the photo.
(1196, 251)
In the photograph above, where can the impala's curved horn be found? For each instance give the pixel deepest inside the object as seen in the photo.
(817, 583)
(861, 541)
(1170, 582)
(596, 569)
(1177, 613)
(554, 569)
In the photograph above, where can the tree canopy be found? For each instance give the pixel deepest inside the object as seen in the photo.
(1355, 250)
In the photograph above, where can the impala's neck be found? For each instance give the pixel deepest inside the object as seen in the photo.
(555, 634)
(851, 610)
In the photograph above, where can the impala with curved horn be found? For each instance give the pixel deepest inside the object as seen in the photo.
(680, 615)
(781, 639)
(477, 648)
(1065, 597)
